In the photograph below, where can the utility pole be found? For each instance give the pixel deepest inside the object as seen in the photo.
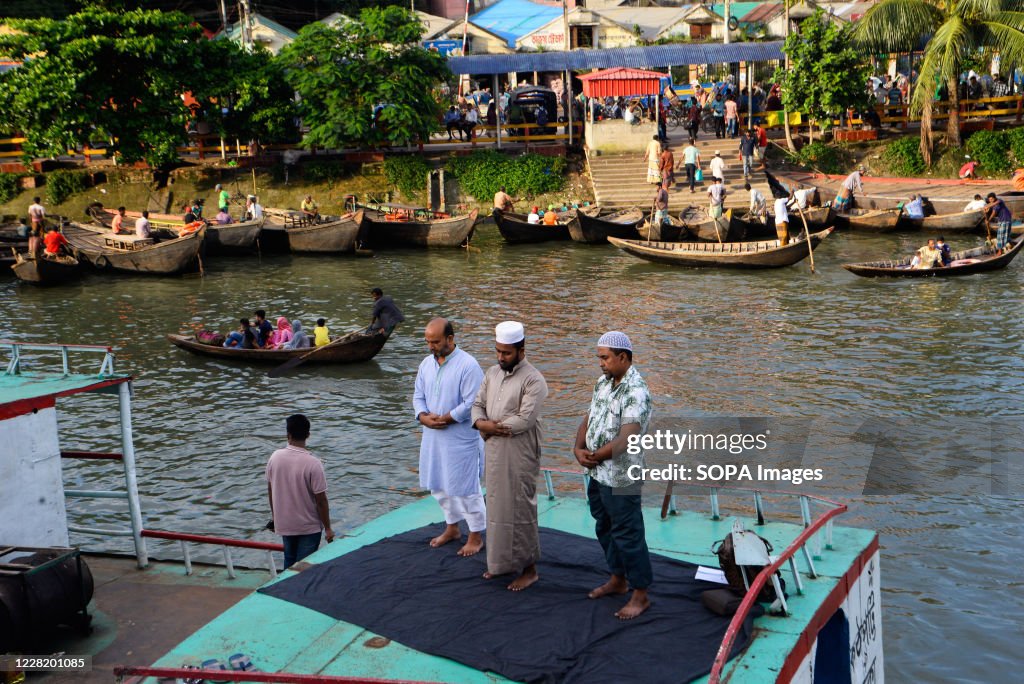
(725, 37)
(223, 17)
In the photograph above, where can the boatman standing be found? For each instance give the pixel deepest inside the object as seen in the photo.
(507, 414)
(386, 314)
(620, 407)
(451, 453)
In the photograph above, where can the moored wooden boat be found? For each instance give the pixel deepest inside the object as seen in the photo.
(351, 348)
(670, 230)
(145, 256)
(750, 226)
(869, 220)
(960, 222)
(594, 228)
(229, 237)
(977, 260)
(46, 270)
(515, 229)
(702, 226)
(397, 226)
(764, 254)
(335, 234)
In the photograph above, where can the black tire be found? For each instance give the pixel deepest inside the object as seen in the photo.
(707, 124)
(102, 261)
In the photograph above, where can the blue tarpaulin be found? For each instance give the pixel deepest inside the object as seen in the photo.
(513, 19)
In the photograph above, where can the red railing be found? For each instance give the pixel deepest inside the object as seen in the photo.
(206, 539)
(122, 671)
(92, 455)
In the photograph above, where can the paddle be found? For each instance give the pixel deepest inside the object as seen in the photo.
(807, 232)
(650, 225)
(298, 360)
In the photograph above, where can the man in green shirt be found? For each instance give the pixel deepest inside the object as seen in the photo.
(223, 196)
(620, 407)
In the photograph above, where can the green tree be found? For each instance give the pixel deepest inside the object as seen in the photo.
(955, 30)
(826, 74)
(344, 74)
(102, 75)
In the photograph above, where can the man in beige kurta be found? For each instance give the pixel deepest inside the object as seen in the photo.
(507, 413)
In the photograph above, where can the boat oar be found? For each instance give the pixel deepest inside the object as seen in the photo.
(298, 360)
(807, 232)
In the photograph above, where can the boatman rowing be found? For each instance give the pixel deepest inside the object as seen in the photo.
(507, 414)
(451, 453)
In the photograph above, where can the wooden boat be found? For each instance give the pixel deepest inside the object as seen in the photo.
(46, 270)
(394, 225)
(977, 260)
(231, 237)
(334, 234)
(869, 220)
(765, 254)
(515, 229)
(128, 253)
(750, 226)
(700, 225)
(672, 230)
(351, 348)
(1014, 201)
(960, 222)
(594, 228)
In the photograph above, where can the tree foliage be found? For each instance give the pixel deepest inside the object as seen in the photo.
(826, 75)
(344, 74)
(102, 75)
(955, 32)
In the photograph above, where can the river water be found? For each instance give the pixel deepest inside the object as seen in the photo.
(934, 357)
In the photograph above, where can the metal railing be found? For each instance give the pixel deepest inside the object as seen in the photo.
(16, 348)
(183, 674)
(225, 543)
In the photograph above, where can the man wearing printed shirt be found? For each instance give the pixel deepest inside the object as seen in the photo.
(620, 407)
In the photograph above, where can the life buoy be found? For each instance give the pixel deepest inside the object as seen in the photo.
(102, 261)
(396, 217)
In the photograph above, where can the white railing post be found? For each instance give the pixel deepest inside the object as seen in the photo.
(227, 562)
(271, 565)
(186, 556)
(124, 392)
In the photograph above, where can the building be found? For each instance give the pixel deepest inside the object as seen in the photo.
(265, 33)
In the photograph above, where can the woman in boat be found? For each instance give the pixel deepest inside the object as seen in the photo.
(282, 335)
(300, 340)
(243, 338)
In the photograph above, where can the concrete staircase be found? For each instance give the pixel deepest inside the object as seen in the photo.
(620, 181)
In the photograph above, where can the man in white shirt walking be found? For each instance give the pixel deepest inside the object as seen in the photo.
(718, 166)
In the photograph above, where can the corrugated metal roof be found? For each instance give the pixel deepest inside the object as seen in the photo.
(621, 81)
(635, 57)
(513, 19)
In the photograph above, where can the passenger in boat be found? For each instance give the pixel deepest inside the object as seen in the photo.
(142, 229)
(619, 408)
(944, 250)
(223, 218)
(534, 215)
(758, 204)
(975, 204)
(55, 243)
(253, 209)
(321, 335)
(506, 412)
(451, 451)
(915, 207)
(297, 489)
(717, 193)
(661, 204)
(300, 340)
(929, 256)
(782, 220)
(197, 208)
(850, 186)
(189, 216)
(551, 216)
(264, 330)
(503, 201)
(243, 338)
(803, 198)
(36, 217)
(998, 213)
(310, 208)
(117, 223)
(386, 314)
(282, 335)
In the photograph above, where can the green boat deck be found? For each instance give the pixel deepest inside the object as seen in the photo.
(283, 637)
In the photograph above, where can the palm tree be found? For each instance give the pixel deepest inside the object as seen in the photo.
(954, 29)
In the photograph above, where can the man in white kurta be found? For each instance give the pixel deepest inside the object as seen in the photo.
(507, 414)
(451, 453)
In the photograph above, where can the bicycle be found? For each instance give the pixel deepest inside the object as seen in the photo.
(707, 122)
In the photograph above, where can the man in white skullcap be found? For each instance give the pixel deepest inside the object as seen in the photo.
(451, 453)
(507, 414)
(620, 407)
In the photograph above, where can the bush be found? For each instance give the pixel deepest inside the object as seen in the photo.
(903, 157)
(61, 185)
(8, 187)
(1015, 139)
(823, 157)
(482, 174)
(408, 173)
(324, 171)
(989, 148)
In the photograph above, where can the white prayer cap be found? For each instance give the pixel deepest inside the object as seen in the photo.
(615, 340)
(509, 332)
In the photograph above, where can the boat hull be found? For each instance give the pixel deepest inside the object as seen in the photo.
(164, 258)
(671, 231)
(338, 236)
(961, 222)
(354, 347)
(593, 229)
(43, 271)
(869, 220)
(767, 254)
(978, 261)
(233, 237)
(516, 230)
(379, 233)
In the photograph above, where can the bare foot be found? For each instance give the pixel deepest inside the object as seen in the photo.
(451, 533)
(528, 577)
(616, 585)
(637, 604)
(472, 545)
(487, 575)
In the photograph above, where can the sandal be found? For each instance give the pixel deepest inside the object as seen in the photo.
(214, 664)
(241, 663)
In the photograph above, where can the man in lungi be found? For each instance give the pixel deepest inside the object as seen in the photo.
(451, 453)
(620, 407)
(507, 414)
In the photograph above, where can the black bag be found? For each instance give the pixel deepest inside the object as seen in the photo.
(721, 601)
(734, 574)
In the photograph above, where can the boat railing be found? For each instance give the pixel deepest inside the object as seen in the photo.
(225, 543)
(121, 672)
(16, 350)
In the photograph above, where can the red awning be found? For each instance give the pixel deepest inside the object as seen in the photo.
(621, 81)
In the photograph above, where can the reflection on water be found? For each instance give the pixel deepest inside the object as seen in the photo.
(774, 343)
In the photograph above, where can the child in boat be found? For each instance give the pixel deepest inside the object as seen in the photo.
(243, 338)
(321, 335)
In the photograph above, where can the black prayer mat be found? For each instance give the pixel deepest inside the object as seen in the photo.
(434, 601)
